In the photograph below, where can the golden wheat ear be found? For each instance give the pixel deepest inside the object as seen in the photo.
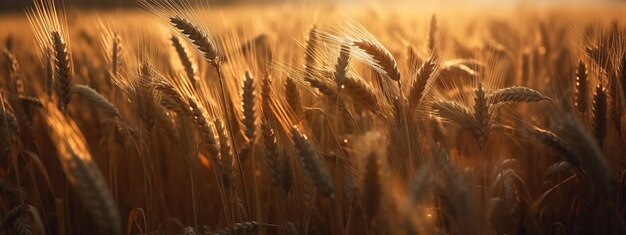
(82, 172)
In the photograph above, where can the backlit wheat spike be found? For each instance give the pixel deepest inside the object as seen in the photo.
(82, 172)
(198, 38)
(361, 93)
(248, 103)
(227, 159)
(309, 58)
(277, 162)
(17, 80)
(293, 96)
(481, 115)
(203, 127)
(97, 99)
(589, 154)
(381, 57)
(172, 99)
(582, 95)
(185, 60)
(424, 74)
(599, 112)
(323, 87)
(341, 68)
(28, 101)
(555, 142)
(63, 70)
(312, 164)
(515, 94)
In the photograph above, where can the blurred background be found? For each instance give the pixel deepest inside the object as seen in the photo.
(18, 5)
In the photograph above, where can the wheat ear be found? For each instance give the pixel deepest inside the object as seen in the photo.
(599, 112)
(63, 70)
(185, 60)
(582, 95)
(515, 94)
(424, 74)
(97, 99)
(315, 169)
(382, 58)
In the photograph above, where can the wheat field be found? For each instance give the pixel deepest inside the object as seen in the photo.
(174, 117)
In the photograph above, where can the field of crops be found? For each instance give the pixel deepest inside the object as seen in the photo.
(177, 118)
